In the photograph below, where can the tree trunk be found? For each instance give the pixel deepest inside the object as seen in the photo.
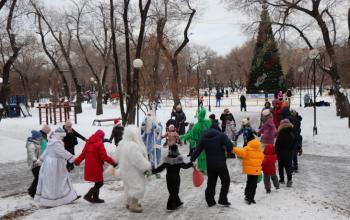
(99, 109)
(174, 84)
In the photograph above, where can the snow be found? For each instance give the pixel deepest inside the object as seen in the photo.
(307, 199)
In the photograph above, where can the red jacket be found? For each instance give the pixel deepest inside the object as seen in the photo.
(268, 164)
(276, 115)
(94, 153)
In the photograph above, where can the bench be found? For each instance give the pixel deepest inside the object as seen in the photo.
(98, 121)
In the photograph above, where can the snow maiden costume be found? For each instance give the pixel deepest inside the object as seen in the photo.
(131, 156)
(55, 187)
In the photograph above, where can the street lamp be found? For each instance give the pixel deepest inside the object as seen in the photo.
(92, 80)
(314, 55)
(138, 64)
(300, 70)
(209, 74)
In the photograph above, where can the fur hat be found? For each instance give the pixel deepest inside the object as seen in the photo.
(46, 129)
(285, 123)
(36, 134)
(266, 112)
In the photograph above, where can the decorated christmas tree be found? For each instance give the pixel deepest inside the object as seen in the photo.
(266, 74)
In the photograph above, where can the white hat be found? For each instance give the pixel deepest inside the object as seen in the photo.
(245, 121)
(266, 112)
(60, 133)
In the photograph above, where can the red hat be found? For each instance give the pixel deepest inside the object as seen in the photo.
(117, 122)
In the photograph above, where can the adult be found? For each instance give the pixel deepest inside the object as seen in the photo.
(226, 115)
(267, 105)
(70, 141)
(268, 129)
(94, 154)
(133, 163)
(307, 100)
(215, 144)
(214, 122)
(201, 102)
(33, 154)
(243, 100)
(148, 127)
(226, 91)
(180, 119)
(218, 97)
(117, 132)
(276, 112)
(55, 186)
(284, 147)
(289, 95)
(299, 140)
(193, 136)
(44, 132)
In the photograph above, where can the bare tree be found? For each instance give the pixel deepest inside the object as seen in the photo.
(5, 89)
(2, 3)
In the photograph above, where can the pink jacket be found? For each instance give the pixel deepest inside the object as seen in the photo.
(172, 137)
(268, 131)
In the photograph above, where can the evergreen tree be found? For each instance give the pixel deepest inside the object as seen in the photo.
(266, 72)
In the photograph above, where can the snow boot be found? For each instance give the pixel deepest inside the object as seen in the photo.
(281, 181)
(134, 206)
(224, 204)
(268, 191)
(88, 195)
(289, 183)
(95, 197)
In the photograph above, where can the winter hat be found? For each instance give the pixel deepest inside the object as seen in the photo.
(99, 133)
(212, 117)
(46, 129)
(68, 123)
(245, 121)
(171, 128)
(117, 122)
(284, 122)
(60, 132)
(36, 134)
(266, 112)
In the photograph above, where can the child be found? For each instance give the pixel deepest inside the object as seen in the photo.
(252, 158)
(94, 154)
(269, 168)
(172, 137)
(245, 130)
(268, 129)
(173, 163)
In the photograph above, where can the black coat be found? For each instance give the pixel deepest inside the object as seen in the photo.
(173, 164)
(215, 125)
(70, 140)
(284, 145)
(215, 144)
(242, 100)
(224, 118)
(180, 119)
(117, 134)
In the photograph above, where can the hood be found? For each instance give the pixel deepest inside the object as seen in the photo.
(132, 133)
(201, 114)
(269, 149)
(255, 144)
(211, 133)
(97, 137)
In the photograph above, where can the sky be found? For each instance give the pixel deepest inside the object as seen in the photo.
(213, 26)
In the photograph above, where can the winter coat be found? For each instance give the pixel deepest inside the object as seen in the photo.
(55, 187)
(242, 99)
(252, 156)
(268, 131)
(224, 118)
(215, 144)
(117, 134)
(215, 125)
(284, 145)
(70, 140)
(94, 153)
(245, 130)
(231, 130)
(172, 137)
(286, 114)
(276, 116)
(33, 152)
(131, 156)
(180, 119)
(270, 157)
(218, 95)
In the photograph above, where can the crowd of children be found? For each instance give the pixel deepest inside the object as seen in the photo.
(138, 155)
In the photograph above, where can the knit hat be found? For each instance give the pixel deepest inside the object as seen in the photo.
(46, 129)
(117, 122)
(60, 132)
(266, 112)
(212, 116)
(36, 134)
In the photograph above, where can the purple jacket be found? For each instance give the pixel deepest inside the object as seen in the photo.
(268, 131)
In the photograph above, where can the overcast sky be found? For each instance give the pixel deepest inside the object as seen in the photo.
(213, 26)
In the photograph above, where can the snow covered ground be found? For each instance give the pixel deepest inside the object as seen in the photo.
(321, 189)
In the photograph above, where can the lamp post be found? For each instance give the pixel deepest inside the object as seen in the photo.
(209, 83)
(300, 70)
(138, 64)
(314, 55)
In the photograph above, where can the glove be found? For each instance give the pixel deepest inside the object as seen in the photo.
(37, 163)
(300, 152)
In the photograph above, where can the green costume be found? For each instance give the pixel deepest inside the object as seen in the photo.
(195, 134)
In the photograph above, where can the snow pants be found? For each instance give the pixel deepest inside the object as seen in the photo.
(173, 184)
(213, 174)
(267, 181)
(285, 164)
(250, 188)
(32, 188)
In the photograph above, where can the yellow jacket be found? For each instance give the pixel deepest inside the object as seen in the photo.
(252, 156)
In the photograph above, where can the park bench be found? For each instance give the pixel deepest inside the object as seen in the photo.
(98, 121)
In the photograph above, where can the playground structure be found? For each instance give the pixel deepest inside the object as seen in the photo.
(57, 112)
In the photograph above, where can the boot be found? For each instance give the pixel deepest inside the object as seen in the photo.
(95, 197)
(134, 206)
(88, 196)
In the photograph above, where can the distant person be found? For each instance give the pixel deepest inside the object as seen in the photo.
(180, 119)
(201, 102)
(218, 97)
(70, 141)
(33, 155)
(307, 100)
(289, 95)
(243, 99)
(117, 132)
(226, 93)
(224, 117)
